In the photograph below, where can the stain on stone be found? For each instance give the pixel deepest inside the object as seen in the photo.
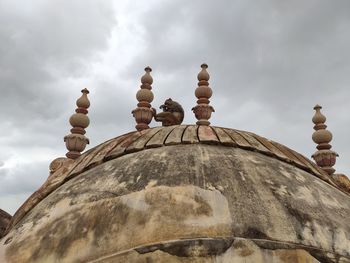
(243, 249)
(252, 232)
(271, 245)
(76, 226)
(299, 215)
(203, 208)
(324, 257)
(74, 229)
(191, 248)
(321, 255)
(8, 240)
(166, 201)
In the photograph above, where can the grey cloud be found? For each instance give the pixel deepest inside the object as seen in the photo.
(24, 178)
(43, 43)
(282, 56)
(44, 47)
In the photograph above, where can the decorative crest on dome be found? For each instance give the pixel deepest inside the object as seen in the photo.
(203, 110)
(76, 141)
(143, 114)
(324, 157)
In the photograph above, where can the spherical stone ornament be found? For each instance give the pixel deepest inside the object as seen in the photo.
(322, 136)
(79, 120)
(203, 92)
(144, 95)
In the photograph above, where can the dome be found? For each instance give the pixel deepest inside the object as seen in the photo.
(4, 221)
(184, 193)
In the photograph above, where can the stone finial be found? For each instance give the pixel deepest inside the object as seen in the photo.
(76, 141)
(324, 157)
(203, 93)
(143, 114)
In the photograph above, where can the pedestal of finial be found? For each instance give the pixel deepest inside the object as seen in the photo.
(75, 144)
(325, 159)
(143, 116)
(202, 112)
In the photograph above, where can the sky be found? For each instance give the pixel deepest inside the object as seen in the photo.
(270, 62)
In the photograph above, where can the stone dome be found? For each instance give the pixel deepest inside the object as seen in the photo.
(184, 193)
(4, 221)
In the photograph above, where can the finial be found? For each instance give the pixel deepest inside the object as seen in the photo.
(203, 93)
(76, 141)
(143, 114)
(324, 157)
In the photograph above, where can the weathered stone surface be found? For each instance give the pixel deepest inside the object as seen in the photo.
(342, 181)
(181, 134)
(213, 250)
(207, 135)
(169, 204)
(159, 138)
(4, 221)
(190, 135)
(175, 136)
(224, 138)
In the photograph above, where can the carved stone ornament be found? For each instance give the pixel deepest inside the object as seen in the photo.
(203, 93)
(143, 114)
(324, 157)
(76, 141)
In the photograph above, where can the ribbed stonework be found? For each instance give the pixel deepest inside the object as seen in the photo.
(184, 193)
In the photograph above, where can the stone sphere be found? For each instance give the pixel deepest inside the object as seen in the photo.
(322, 136)
(144, 95)
(79, 120)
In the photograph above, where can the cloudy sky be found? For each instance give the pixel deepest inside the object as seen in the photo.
(270, 62)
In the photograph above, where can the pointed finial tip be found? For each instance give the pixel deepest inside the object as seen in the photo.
(148, 69)
(317, 107)
(204, 65)
(85, 90)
